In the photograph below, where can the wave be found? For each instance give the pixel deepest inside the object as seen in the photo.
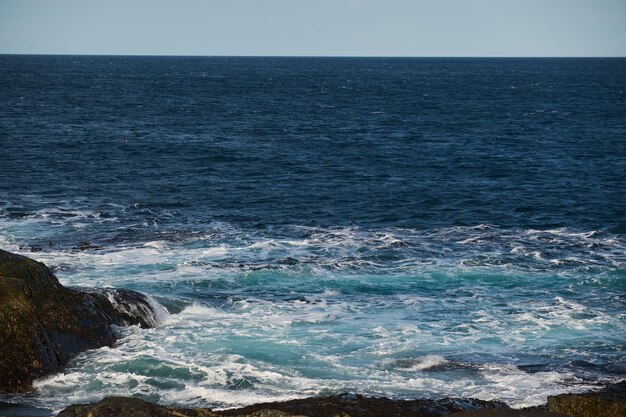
(261, 315)
(221, 245)
(210, 357)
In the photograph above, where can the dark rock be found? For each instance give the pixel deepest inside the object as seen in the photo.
(610, 402)
(43, 324)
(130, 407)
(86, 246)
(607, 403)
(345, 405)
(124, 307)
(526, 412)
(355, 405)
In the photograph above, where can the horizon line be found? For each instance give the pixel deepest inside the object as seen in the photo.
(326, 56)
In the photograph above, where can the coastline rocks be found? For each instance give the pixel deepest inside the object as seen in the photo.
(343, 405)
(610, 402)
(124, 307)
(130, 407)
(525, 412)
(43, 324)
(354, 405)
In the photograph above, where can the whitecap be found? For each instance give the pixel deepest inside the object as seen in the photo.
(428, 362)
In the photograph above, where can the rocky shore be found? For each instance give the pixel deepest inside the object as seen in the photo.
(43, 324)
(610, 402)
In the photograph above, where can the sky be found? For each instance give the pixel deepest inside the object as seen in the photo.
(315, 27)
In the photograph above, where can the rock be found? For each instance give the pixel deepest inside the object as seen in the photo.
(526, 412)
(86, 246)
(43, 324)
(354, 405)
(344, 405)
(124, 307)
(607, 403)
(610, 402)
(130, 407)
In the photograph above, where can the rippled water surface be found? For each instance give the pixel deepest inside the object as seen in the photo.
(399, 227)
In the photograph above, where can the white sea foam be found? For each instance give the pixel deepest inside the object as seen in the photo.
(8, 244)
(521, 389)
(265, 318)
(200, 343)
(157, 244)
(160, 312)
(428, 362)
(350, 248)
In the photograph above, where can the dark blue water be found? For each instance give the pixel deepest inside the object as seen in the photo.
(403, 227)
(321, 142)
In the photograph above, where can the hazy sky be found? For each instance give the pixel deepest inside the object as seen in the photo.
(315, 27)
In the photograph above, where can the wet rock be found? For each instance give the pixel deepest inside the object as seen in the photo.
(124, 307)
(130, 407)
(43, 324)
(610, 402)
(527, 412)
(607, 403)
(83, 246)
(345, 405)
(354, 405)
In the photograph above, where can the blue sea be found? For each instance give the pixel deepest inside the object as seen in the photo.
(393, 227)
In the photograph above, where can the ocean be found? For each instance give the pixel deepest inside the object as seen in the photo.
(388, 226)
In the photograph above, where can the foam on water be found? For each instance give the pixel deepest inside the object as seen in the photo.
(391, 249)
(242, 336)
(209, 357)
(428, 362)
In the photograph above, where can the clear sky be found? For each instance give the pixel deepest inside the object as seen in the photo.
(315, 27)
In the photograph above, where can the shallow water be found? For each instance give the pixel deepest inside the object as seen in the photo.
(398, 227)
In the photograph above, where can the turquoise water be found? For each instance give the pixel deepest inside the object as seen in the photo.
(399, 227)
(245, 325)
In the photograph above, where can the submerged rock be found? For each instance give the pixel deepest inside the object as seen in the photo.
(43, 324)
(345, 405)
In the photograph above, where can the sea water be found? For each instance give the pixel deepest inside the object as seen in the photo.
(393, 227)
